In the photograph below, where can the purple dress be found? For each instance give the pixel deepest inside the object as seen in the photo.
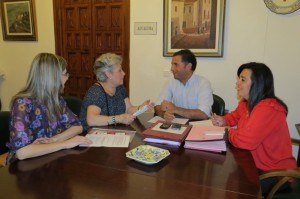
(29, 121)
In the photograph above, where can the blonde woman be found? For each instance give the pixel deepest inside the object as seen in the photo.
(41, 122)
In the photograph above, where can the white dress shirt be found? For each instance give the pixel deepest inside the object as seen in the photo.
(195, 94)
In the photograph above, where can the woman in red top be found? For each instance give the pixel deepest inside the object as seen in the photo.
(260, 121)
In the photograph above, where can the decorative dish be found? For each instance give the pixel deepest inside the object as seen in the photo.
(147, 154)
(283, 7)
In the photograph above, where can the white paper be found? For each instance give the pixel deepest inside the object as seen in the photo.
(214, 132)
(108, 140)
(111, 131)
(176, 120)
(202, 123)
(140, 111)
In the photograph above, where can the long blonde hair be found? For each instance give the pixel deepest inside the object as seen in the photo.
(44, 82)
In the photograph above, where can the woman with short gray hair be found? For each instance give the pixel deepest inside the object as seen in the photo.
(106, 63)
(107, 102)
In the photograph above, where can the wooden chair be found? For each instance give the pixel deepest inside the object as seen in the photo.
(4, 135)
(74, 103)
(285, 175)
(218, 106)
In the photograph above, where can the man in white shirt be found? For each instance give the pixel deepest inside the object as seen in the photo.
(187, 95)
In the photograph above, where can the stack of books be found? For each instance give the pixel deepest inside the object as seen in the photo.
(207, 138)
(169, 134)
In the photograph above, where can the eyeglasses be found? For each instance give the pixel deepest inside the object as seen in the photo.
(66, 74)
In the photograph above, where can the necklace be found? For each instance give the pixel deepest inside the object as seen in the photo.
(106, 99)
(106, 90)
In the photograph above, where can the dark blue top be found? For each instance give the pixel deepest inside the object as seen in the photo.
(109, 105)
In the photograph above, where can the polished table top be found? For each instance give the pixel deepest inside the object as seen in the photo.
(99, 172)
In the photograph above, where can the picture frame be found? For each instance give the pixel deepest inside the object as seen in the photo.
(197, 25)
(18, 20)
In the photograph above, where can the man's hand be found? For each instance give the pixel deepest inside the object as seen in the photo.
(168, 116)
(167, 106)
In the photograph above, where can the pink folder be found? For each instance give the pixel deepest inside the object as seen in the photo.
(206, 138)
(202, 133)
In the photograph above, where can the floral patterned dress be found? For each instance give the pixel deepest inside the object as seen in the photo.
(29, 121)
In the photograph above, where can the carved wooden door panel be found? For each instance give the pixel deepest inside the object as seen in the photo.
(85, 29)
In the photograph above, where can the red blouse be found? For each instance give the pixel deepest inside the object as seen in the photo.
(264, 132)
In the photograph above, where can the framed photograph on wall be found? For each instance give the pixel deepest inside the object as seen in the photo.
(197, 25)
(18, 20)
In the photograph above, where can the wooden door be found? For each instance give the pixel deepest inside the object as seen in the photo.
(85, 29)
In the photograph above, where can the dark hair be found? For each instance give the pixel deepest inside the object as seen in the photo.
(262, 85)
(187, 57)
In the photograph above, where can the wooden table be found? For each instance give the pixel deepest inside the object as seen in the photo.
(105, 173)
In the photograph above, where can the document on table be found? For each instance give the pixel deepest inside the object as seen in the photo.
(131, 133)
(202, 123)
(176, 120)
(101, 139)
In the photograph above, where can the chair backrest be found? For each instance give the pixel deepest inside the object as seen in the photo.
(294, 191)
(218, 106)
(74, 103)
(4, 131)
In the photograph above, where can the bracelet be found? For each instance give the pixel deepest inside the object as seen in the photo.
(114, 120)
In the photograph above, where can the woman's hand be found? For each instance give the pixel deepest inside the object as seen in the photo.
(218, 120)
(77, 140)
(148, 103)
(44, 140)
(125, 118)
(70, 143)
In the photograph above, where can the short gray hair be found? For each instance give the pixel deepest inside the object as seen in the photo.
(106, 63)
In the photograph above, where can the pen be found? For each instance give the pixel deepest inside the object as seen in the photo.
(212, 115)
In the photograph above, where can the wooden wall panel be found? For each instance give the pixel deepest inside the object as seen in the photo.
(85, 29)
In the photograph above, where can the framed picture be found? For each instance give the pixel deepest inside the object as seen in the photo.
(18, 20)
(194, 24)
